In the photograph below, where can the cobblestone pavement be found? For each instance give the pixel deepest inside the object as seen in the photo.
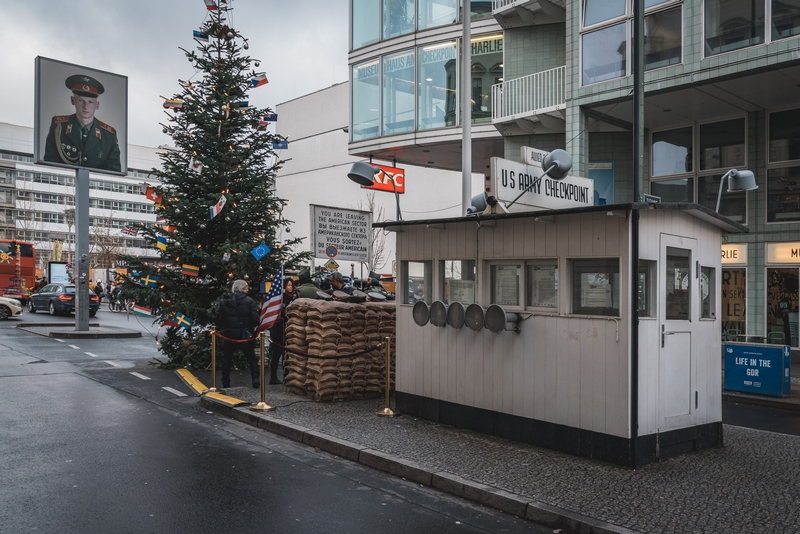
(749, 486)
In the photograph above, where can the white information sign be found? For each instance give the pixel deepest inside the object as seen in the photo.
(734, 254)
(783, 253)
(510, 178)
(341, 234)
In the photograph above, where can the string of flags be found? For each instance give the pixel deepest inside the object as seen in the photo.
(260, 251)
(153, 195)
(149, 281)
(173, 103)
(127, 230)
(161, 242)
(259, 80)
(190, 270)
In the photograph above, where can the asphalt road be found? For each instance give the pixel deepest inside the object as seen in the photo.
(95, 439)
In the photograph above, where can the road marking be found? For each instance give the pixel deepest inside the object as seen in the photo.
(137, 375)
(92, 355)
(175, 392)
(75, 347)
(115, 364)
(59, 340)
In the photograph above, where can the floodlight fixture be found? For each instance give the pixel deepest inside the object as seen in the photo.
(557, 164)
(738, 181)
(363, 174)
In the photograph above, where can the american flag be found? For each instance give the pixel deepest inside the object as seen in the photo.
(271, 305)
(127, 230)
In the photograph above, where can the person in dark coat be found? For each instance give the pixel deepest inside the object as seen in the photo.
(237, 318)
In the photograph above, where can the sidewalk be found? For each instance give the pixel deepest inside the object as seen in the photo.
(750, 485)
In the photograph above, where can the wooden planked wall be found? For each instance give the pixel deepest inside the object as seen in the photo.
(570, 370)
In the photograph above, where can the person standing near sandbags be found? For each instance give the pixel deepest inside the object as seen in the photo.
(306, 288)
(277, 333)
(237, 319)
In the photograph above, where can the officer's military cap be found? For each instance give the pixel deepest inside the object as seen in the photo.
(83, 85)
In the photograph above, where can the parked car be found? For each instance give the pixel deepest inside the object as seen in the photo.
(60, 298)
(9, 308)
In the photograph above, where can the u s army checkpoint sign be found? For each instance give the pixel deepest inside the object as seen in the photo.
(341, 234)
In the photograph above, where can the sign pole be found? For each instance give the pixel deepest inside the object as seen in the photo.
(82, 250)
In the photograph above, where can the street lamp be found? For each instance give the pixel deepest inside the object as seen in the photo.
(363, 173)
(738, 181)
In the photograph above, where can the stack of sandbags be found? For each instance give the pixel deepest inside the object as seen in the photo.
(328, 342)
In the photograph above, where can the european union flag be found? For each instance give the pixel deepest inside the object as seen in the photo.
(260, 251)
(280, 145)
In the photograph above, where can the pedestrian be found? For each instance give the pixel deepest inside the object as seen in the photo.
(278, 333)
(80, 139)
(374, 283)
(338, 283)
(306, 288)
(98, 289)
(237, 319)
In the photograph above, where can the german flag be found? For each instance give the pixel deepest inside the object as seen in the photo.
(190, 270)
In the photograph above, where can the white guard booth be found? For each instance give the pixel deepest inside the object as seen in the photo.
(529, 333)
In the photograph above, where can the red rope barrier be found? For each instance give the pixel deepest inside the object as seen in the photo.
(234, 340)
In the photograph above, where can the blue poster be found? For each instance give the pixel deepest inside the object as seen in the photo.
(752, 368)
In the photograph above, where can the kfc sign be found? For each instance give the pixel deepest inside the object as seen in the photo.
(383, 180)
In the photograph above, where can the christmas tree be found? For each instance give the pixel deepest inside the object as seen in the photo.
(218, 216)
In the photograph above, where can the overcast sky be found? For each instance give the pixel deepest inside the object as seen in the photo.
(302, 47)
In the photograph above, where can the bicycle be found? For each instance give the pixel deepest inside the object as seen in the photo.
(117, 305)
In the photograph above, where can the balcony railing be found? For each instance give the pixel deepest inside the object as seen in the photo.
(540, 93)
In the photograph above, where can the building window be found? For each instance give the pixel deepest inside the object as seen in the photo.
(398, 17)
(606, 38)
(672, 151)
(784, 135)
(366, 100)
(458, 281)
(678, 282)
(487, 69)
(662, 39)
(365, 17)
(783, 196)
(604, 54)
(732, 24)
(437, 85)
(782, 304)
(505, 284)
(541, 285)
(433, 13)
(418, 278)
(785, 19)
(722, 144)
(595, 286)
(398, 93)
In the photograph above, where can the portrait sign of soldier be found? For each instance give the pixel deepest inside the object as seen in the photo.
(81, 117)
(81, 139)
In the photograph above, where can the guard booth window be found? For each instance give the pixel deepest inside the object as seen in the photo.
(595, 286)
(678, 282)
(458, 281)
(418, 278)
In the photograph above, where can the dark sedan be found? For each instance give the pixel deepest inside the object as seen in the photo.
(59, 298)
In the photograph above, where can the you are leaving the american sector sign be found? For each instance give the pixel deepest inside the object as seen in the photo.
(510, 178)
(341, 234)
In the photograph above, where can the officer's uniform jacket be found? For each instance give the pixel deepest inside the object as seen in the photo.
(100, 149)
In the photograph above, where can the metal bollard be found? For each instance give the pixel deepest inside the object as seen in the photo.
(213, 387)
(262, 406)
(387, 411)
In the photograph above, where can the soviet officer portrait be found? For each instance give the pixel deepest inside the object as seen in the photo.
(81, 139)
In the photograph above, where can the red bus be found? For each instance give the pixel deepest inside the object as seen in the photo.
(17, 268)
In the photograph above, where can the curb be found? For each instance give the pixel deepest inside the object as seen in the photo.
(765, 402)
(543, 514)
(61, 331)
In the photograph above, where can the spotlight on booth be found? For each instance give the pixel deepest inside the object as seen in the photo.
(474, 317)
(455, 315)
(421, 313)
(497, 319)
(438, 313)
(480, 202)
(738, 181)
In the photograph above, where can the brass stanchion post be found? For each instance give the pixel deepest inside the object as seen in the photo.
(387, 411)
(262, 406)
(213, 387)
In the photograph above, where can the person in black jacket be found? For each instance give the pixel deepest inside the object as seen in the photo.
(237, 318)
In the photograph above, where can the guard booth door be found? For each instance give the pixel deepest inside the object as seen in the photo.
(678, 316)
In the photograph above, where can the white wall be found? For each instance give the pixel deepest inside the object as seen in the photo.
(317, 173)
